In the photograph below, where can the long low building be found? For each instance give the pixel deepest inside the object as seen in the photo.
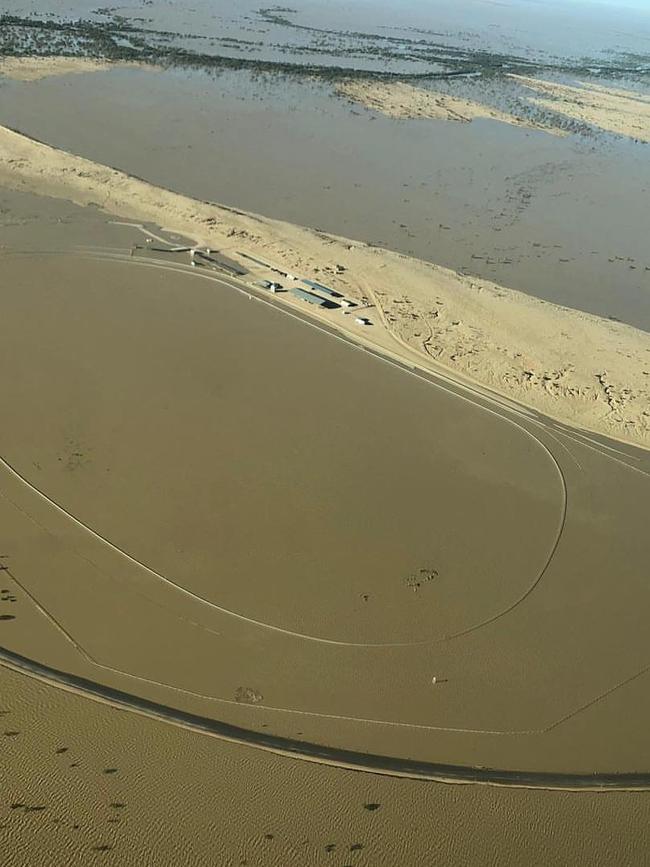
(324, 289)
(312, 298)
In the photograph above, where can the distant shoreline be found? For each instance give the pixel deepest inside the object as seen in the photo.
(119, 39)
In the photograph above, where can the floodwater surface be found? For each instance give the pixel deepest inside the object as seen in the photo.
(216, 505)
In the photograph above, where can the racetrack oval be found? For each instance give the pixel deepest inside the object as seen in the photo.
(264, 465)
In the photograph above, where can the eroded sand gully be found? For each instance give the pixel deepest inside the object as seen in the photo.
(569, 365)
(266, 469)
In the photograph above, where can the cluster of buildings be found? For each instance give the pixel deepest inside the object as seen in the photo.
(317, 294)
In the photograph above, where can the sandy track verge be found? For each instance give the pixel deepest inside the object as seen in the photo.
(573, 366)
(611, 109)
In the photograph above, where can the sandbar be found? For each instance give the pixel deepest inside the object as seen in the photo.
(36, 68)
(624, 112)
(407, 102)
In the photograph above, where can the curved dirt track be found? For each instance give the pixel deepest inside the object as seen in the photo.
(386, 765)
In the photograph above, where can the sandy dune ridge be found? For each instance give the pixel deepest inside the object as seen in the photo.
(573, 366)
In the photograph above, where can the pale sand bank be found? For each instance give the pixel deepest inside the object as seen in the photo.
(623, 112)
(406, 102)
(570, 365)
(619, 111)
(36, 68)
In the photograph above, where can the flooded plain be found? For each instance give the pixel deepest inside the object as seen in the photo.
(267, 474)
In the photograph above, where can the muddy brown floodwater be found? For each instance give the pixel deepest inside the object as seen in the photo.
(211, 504)
(214, 504)
(272, 469)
